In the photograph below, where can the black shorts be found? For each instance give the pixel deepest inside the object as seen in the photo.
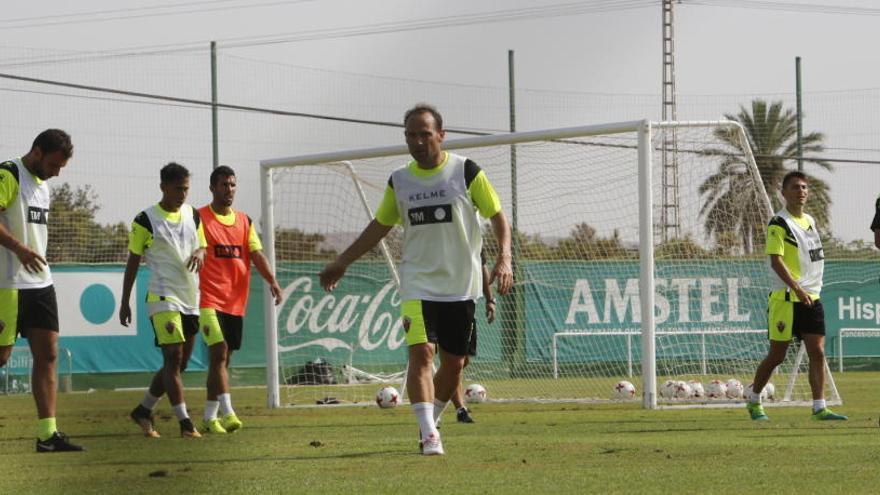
(451, 325)
(232, 327)
(37, 308)
(787, 320)
(808, 319)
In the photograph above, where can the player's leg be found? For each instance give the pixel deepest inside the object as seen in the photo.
(232, 327)
(775, 357)
(779, 321)
(447, 380)
(419, 384)
(457, 398)
(142, 414)
(456, 323)
(462, 414)
(5, 353)
(8, 323)
(815, 345)
(38, 322)
(216, 379)
(190, 325)
(811, 322)
(816, 352)
(169, 327)
(44, 349)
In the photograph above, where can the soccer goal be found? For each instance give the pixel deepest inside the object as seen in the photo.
(638, 256)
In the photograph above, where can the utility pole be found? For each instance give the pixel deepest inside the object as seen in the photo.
(670, 225)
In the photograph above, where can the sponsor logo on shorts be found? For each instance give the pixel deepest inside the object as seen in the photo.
(169, 327)
(407, 321)
(206, 329)
(780, 325)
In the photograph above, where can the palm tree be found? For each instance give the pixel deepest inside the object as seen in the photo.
(731, 200)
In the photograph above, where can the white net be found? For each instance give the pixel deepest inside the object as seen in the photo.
(571, 328)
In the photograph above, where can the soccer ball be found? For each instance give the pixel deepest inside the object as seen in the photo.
(749, 390)
(697, 391)
(769, 391)
(734, 389)
(682, 390)
(716, 389)
(475, 393)
(387, 397)
(667, 390)
(624, 390)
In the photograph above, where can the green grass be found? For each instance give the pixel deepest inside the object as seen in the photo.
(514, 448)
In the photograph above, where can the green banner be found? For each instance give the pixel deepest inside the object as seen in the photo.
(359, 322)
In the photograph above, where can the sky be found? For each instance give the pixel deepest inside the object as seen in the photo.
(590, 49)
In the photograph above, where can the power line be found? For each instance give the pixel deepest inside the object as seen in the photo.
(190, 102)
(497, 16)
(113, 11)
(788, 7)
(529, 13)
(225, 106)
(820, 159)
(23, 23)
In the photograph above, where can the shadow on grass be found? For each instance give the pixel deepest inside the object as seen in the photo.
(256, 460)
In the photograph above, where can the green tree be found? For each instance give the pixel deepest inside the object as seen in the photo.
(296, 245)
(531, 247)
(583, 244)
(730, 196)
(75, 236)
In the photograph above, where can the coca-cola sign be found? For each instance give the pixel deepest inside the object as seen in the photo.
(365, 320)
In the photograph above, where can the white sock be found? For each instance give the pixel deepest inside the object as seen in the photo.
(818, 405)
(755, 397)
(439, 407)
(180, 411)
(225, 403)
(425, 416)
(211, 407)
(149, 401)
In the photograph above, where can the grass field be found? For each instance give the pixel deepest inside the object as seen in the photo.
(514, 448)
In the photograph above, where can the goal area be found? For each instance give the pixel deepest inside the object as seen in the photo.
(637, 251)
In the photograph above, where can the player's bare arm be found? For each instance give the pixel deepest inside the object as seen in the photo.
(131, 269)
(196, 260)
(29, 258)
(487, 293)
(333, 271)
(779, 267)
(262, 264)
(502, 273)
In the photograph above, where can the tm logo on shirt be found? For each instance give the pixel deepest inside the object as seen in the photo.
(426, 215)
(38, 215)
(227, 251)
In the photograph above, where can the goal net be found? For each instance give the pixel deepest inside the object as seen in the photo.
(638, 256)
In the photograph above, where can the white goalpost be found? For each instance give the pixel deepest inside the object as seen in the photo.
(627, 267)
